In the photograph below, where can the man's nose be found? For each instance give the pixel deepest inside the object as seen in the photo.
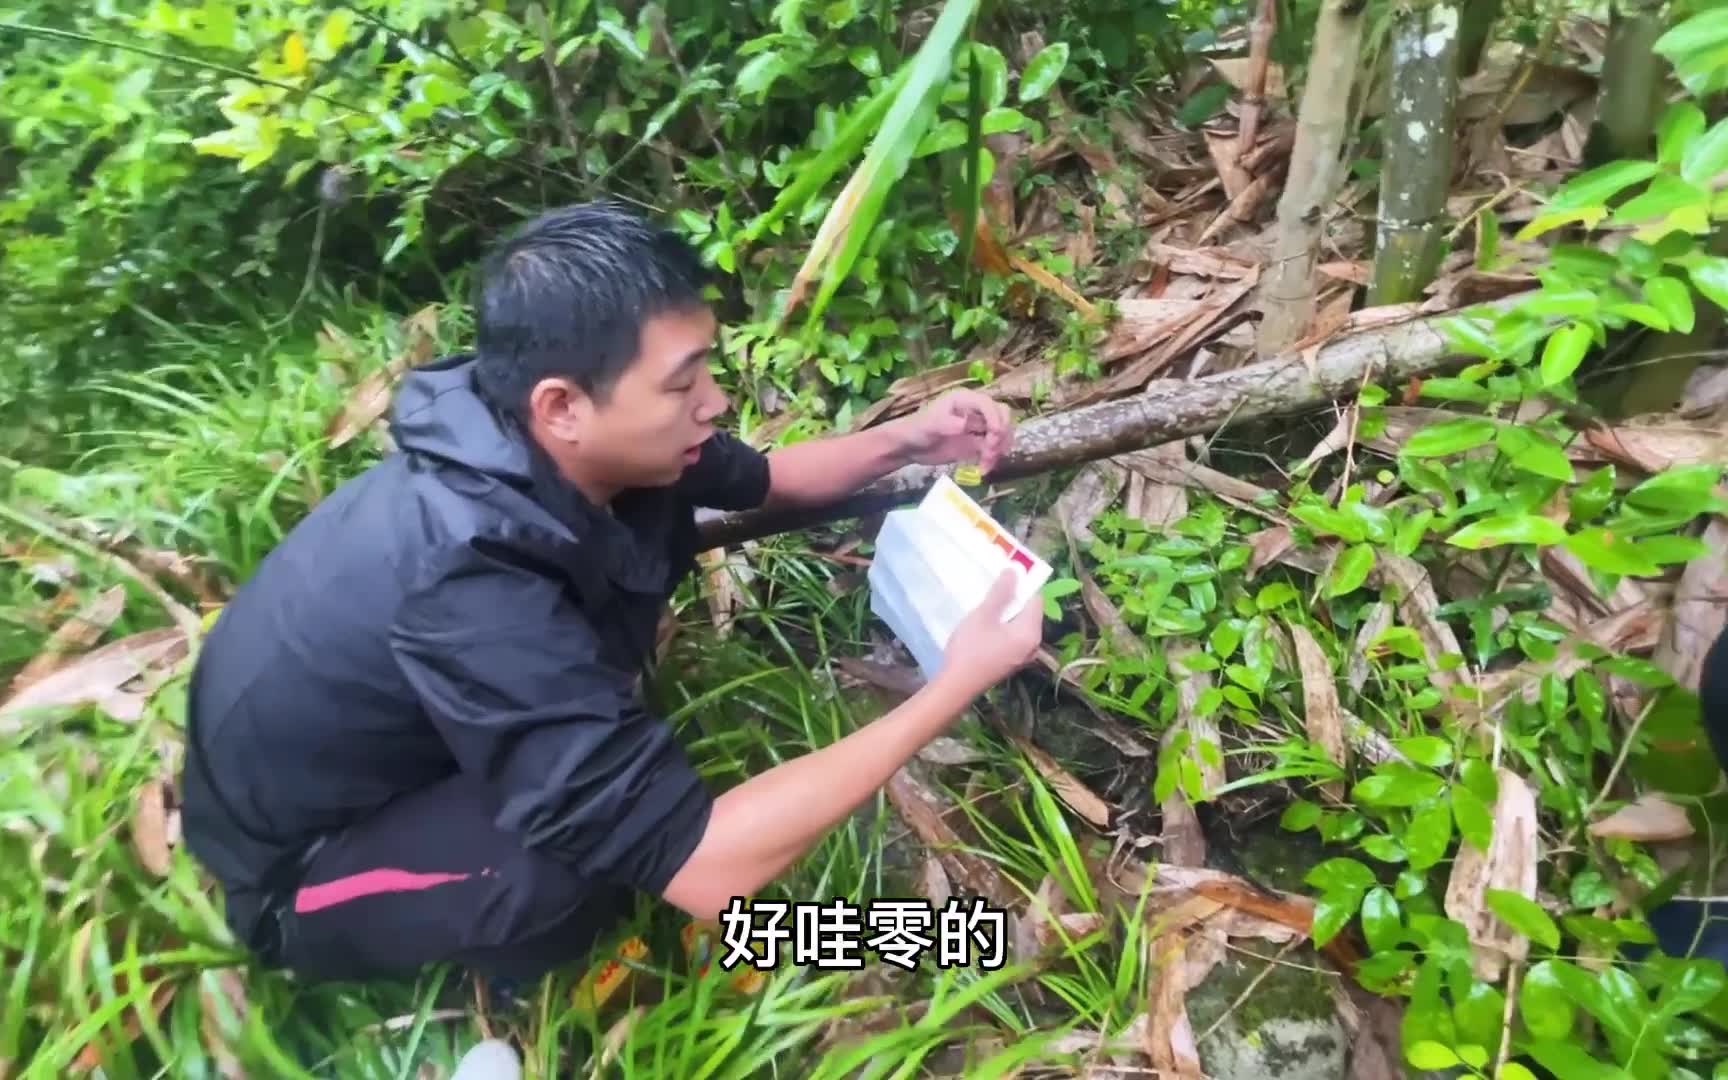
(714, 402)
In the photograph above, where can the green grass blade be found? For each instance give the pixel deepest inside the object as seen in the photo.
(902, 129)
(845, 146)
(972, 192)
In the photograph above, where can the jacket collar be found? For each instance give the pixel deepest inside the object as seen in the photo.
(438, 414)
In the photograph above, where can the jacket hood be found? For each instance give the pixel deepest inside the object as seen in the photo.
(438, 413)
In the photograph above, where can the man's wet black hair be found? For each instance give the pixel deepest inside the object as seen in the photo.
(567, 295)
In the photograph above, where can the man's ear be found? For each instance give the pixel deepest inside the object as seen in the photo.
(561, 409)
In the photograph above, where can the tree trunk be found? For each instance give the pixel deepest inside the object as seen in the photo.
(1171, 411)
(1631, 97)
(1417, 172)
(1287, 292)
(1477, 26)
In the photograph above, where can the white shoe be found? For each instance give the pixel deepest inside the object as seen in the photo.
(489, 1060)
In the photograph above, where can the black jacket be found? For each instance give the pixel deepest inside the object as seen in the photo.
(454, 608)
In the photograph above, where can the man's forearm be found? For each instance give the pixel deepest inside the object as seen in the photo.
(761, 827)
(823, 470)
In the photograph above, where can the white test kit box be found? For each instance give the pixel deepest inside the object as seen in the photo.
(936, 561)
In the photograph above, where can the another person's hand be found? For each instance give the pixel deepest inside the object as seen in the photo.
(959, 427)
(984, 650)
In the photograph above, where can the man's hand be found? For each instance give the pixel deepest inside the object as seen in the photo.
(767, 823)
(960, 426)
(984, 650)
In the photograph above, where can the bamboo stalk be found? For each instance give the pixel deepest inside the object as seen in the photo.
(1631, 97)
(1287, 296)
(1477, 26)
(1416, 174)
(1286, 384)
(1259, 60)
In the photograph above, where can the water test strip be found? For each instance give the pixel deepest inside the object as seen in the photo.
(936, 562)
(983, 543)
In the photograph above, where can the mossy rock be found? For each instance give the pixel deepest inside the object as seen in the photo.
(1286, 1029)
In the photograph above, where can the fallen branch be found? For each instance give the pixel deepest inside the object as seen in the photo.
(1173, 410)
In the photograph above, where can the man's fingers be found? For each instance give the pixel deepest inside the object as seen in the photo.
(987, 423)
(1001, 436)
(1001, 592)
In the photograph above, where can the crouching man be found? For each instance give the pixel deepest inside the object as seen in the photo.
(415, 735)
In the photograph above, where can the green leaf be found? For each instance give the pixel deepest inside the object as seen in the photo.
(1475, 820)
(1544, 1004)
(1686, 489)
(1480, 1015)
(1471, 335)
(1666, 195)
(1451, 437)
(1710, 276)
(1225, 637)
(992, 72)
(1429, 750)
(334, 33)
(1043, 71)
(1300, 816)
(1525, 916)
(1622, 1002)
(1564, 351)
(1535, 453)
(1592, 496)
(1003, 119)
(1431, 1056)
(1572, 303)
(1509, 529)
(1707, 157)
(1384, 847)
(1430, 834)
(1351, 570)
(1583, 268)
(948, 135)
(1680, 125)
(1411, 532)
(1673, 550)
(1449, 389)
(1704, 73)
(1057, 588)
(1643, 314)
(1602, 550)
(1342, 876)
(1382, 922)
(1573, 1062)
(1595, 187)
(1327, 521)
(1332, 913)
(1276, 595)
(866, 59)
(1589, 217)
(1704, 31)
(1700, 983)
(1673, 299)
(1397, 786)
